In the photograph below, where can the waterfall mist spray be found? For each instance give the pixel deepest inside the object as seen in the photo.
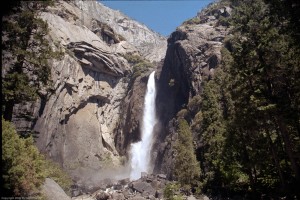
(140, 151)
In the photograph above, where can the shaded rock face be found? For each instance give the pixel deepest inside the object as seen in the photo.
(128, 129)
(193, 54)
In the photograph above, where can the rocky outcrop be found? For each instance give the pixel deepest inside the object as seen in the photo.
(149, 186)
(52, 191)
(97, 60)
(151, 45)
(92, 113)
(79, 121)
(193, 54)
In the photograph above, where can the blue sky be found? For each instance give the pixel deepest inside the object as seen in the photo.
(161, 16)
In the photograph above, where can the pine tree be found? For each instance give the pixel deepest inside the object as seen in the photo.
(186, 168)
(22, 163)
(24, 169)
(26, 54)
(263, 132)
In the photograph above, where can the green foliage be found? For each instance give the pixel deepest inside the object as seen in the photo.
(22, 163)
(133, 58)
(182, 114)
(192, 21)
(139, 66)
(248, 122)
(212, 129)
(171, 192)
(246, 119)
(55, 172)
(186, 167)
(15, 86)
(224, 21)
(24, 169)
(171, 82)
(194, 104)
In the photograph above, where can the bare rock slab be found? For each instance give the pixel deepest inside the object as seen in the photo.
(53, 191)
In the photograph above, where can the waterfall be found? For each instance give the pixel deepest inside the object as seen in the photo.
(140, 151)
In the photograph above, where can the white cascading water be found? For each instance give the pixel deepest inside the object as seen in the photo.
(140, 151)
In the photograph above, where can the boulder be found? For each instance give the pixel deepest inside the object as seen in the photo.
(102, 196)
(124, 181)
(137, 198)
(161, 176)
(203, 197)
(126, 194)
(143, 187)
(75, 190)
(53, 191)
(159, 194)
(118, 187)
(117, 196)
(191, 197)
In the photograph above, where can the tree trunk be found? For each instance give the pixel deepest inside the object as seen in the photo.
(8, 110)
(288, 147)
(276, 161)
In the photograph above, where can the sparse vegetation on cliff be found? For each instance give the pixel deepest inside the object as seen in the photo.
(139, 66)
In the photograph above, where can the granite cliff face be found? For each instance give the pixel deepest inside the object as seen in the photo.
(193, 54)
(151, 45)
(81, 123)
(92, 114)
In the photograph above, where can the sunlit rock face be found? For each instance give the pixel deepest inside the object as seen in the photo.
(151, 45)
(94, 111)
(91, 116)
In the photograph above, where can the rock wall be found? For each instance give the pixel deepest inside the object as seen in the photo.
(151, 45)
(92, 113)
(88, 91)
(193, 54)
(90, 116)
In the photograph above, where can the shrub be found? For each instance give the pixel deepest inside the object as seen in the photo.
(24, 169)
(133, 58)
(187, 168)
(22, 163)
(194, 20)
(171, 192)
(194, 104)
(54, 171)
(172, 82)
(183, 114)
